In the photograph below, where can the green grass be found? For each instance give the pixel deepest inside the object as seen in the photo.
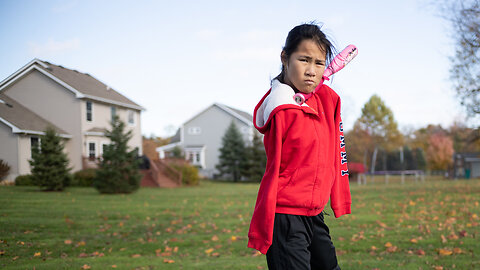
(419, 225)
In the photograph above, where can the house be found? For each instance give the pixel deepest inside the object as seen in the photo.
(77, 105)
(200, 138)
(466, 165)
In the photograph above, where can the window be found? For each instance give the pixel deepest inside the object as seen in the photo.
(196, 156)
(91, 151)
(194, 130)
(113, 112)
(34, 143)
(131, 117)
(89, 111)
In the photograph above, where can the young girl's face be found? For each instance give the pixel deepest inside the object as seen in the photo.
(305, 67)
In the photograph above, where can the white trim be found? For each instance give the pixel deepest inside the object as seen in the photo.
(168, 146)
(88, 149)
(1, 101)
(241, 118)
(62, 83)
(227, 110)
(109, 101)
(35, 60)
(94, 133)
(33, 65)
(200, 151)
(17, 130)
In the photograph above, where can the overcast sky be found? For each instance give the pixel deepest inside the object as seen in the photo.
(175, 58)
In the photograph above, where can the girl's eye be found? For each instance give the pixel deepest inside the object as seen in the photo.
(320, 64)
(303, 60)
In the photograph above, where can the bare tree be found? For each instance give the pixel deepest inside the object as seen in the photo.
(464, 16)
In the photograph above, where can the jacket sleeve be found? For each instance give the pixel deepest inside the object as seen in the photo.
(340, 198)
(260, 234)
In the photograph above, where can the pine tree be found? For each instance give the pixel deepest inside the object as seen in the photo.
(232, 159)
(119, 168)
(49, 163)
(256, 159)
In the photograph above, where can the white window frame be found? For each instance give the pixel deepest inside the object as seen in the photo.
(194, 130)
(196, 156)
(91, 111)
(88, 149)
(131, 113)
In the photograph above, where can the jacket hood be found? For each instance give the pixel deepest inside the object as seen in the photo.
(280, 96)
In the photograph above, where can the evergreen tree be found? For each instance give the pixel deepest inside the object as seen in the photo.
(256, 159)
(232, 159)
(118, 170)
(49, 163)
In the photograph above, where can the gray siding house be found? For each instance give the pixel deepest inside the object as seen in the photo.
(200, 138)
(77, 105)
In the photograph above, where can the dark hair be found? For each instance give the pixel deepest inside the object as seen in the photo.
(302, 32)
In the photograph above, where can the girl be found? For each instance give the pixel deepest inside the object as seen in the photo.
(306, 159)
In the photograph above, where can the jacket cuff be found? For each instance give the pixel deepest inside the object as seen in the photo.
(259, 245)
(340, 211)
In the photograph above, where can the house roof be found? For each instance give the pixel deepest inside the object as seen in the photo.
(21, 120)
(82, 84)
(240, 115)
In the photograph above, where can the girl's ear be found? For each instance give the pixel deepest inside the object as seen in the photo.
(284, 58)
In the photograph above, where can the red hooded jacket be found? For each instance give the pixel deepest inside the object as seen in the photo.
(306, 159)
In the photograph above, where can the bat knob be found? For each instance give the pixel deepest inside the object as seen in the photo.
(299, 98)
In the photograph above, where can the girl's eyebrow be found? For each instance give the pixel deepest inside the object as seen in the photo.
(310, 58)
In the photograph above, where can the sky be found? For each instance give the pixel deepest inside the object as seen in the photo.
(176, 58)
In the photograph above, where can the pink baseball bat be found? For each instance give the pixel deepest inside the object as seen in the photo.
(337, 64)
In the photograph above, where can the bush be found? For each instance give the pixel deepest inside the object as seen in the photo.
(50, 163)
(24, 180)
(84, 178)
(190, 175)
(4, 169)
(118, 171)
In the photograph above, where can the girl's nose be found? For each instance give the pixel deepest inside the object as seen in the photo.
(310, 70)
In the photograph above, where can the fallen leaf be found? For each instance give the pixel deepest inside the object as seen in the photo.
(234, 238)
(420, 252)
(168, 261)
(37, 254)
(388, 244)
(413, 240)
(67, 242)
(86, 266)
(438, 267)
(136, 256)
(208, 251)
(114, 266)
(445, 252)
(15, 258)
(215, 238)
(457, 250)
(444, 240)
(82, 255)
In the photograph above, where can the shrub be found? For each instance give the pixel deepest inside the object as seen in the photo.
(49, 163)
(84, 178)
(24, 180)
(4, 169)
(118, 171)
(189, 172)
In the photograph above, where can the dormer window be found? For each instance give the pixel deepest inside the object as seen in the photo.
(89, 111)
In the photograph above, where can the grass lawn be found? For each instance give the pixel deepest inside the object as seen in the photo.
(425, 225)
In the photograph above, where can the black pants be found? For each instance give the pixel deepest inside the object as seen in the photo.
(301, 242)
